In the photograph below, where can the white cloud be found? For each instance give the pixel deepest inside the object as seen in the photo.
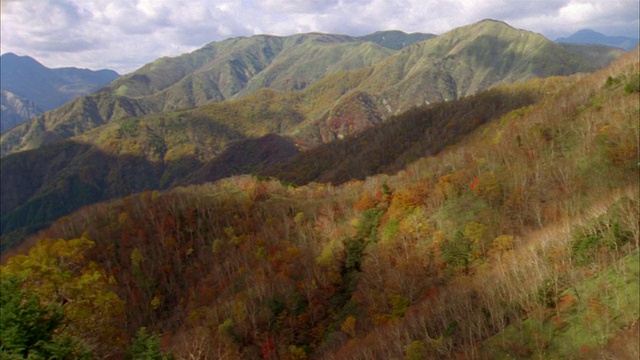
(125, 34)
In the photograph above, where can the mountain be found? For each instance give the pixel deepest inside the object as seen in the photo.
(390, 146)
(394, 39)
(205, 143)
(517, 240)
(455, 64)
(48, 88)
(591, 37)
(15, 110)
(219, 71)
(467, 60)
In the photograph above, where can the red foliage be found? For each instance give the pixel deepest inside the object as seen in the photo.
(475, 183)
(268, 349)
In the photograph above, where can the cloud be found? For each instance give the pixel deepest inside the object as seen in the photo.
(299, 6)
(125, 34)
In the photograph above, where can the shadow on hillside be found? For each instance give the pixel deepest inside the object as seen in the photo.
(42, 185)
(391, 146)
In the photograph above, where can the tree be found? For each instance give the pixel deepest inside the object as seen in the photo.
(29, 329)
(58, 273)
(146, 346)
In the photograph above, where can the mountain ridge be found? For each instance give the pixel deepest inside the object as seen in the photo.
(48, 88)
(167, 147)
(236, 67)
(519, 241)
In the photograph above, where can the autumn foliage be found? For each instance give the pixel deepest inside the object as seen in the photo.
(499, 230)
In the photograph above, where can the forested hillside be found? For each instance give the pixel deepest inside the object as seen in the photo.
(519, 240)
(86, 150)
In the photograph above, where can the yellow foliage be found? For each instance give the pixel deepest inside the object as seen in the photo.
(487, 187)
(501, 244)
(349, 326)
(123, 218)
(327, 256)
(58, 272)
(415, 351)
(365, 202)
(299, 217)
(297, 353)
(155, 302)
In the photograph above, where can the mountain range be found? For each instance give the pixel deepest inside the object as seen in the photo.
(447, 66)
(500, 224)
(299, 91)
(591, 37)
(30, 88)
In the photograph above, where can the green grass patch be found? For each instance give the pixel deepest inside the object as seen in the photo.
(588, 315)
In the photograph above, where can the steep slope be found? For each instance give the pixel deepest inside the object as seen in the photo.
(171, 147)
(15, 110)
(216, 72)
(461, 62)
(394, 39)
(591, 37)
(392, 145)
(71, 119)
(308, 58)
(49, 88)
(467, 60)
(519, 241)
(599, 55)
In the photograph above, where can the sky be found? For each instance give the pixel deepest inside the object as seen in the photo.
(125, 34)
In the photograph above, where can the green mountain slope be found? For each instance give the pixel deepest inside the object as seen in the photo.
(71, 119)
(216, 72)
(394, 39)
(461, 62)
(521, 241)
(172, 148)
(467, 60)
(313, 57)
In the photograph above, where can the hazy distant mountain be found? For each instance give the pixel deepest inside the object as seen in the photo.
(15, 110)
(591, 37)
(48, 88)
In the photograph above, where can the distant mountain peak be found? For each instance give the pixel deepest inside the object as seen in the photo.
(488, 20)
(42, 88)
(592, 37)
